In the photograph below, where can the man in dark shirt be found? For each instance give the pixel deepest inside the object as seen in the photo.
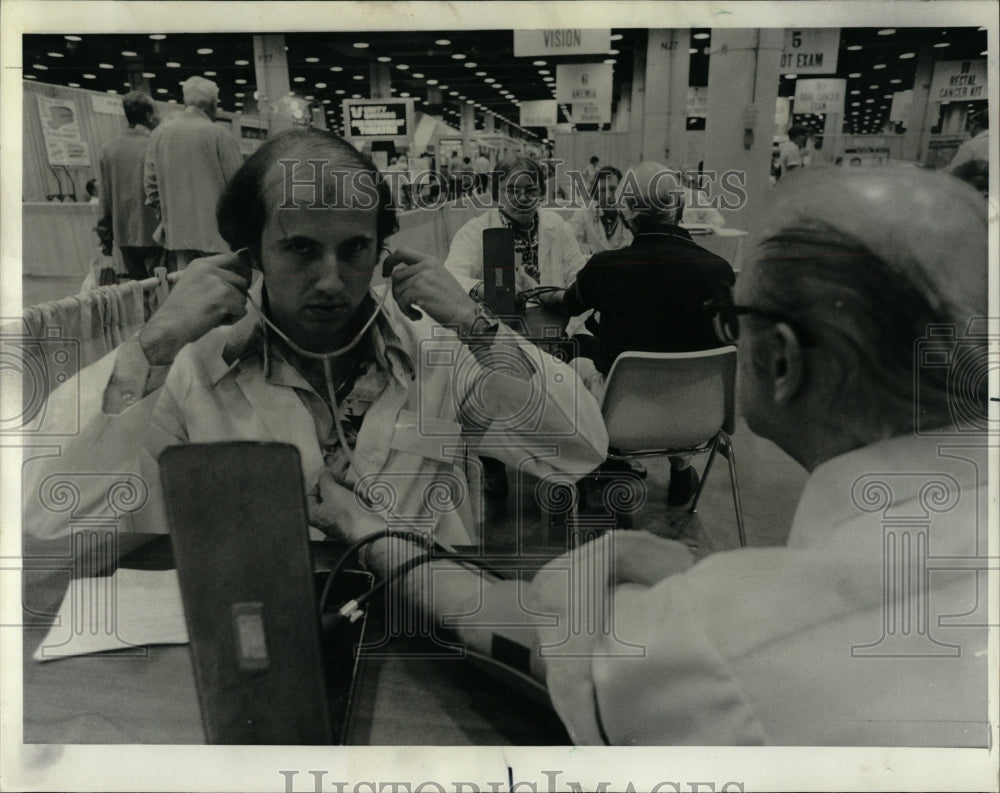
(650, 294)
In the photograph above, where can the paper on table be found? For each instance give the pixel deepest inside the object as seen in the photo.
(128, 609)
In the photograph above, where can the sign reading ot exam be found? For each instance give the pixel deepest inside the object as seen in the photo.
(811, 51)
(561, 41)
(961, 81)
(378, 119)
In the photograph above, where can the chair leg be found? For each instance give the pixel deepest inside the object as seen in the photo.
(704, 475)
(731, 457)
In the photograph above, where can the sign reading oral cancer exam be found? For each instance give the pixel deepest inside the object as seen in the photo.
(378, 119)
(820, 95)
(591, 113)
(810, 50)
(539, 113)
(561, 41)
(958, 81)
(584, 83)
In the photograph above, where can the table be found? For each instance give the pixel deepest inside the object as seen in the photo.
(727, 243)
(149, 696)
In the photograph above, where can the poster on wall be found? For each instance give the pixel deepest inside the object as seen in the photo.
(61, 129)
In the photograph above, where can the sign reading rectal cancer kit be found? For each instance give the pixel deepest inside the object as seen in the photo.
(821, 95)
(588, 83)
(810, 50)
(61, 130)
(958, 81)
(561, 41)
(539, 113)
(378, 119)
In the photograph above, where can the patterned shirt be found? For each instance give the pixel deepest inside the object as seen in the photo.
(525, 245)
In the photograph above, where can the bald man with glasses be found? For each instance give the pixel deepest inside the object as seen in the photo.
(863, 356)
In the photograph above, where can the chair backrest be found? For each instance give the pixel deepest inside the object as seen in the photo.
(658, 401)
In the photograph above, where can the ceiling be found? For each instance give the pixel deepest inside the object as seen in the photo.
(474, 67)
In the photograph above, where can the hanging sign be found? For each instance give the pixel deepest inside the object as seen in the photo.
(378, 119)
(591, 113)
(561, 41)
(584, 82)
(810, 50)
(697, 102)
(960, 81)
(539, 113)
(824, 95)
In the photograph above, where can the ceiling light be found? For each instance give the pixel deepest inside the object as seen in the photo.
(148, 75)
(74, 85)
(126, 53)
(238, 104)
(310, 97)
(873, 87)
(205, 51)
(209, 74)
(879, 66)
(458, 56)
(470, 64)
(538, 63)
(240, 81)
(907, 55)
(941, 44)
(383, 59)
(854, 75)
(895, 81)
(869, 101)
(887, 31)
(173, 64)
(693, 51)
(854, 47)
(40, 66)
(453, 93)
(432, 82)
(418, 75)
(611, 60)
(77, 38)
(239, 94)
(54, 54)
(498, 86)
(90, 77)
(405, 94)
(700, 36)
(359, 77)
(242, 63)
(298, 79)
(402, 66)
(791, 77)
(442, 42)
(548, 79)
(470, 101)
(99, 66)
(616, 36)
(340, 92)
(544, 71)
(614, 52)
(111, 91)
(442, 87)
(360, 45)
(887, 96)
(855, 104)
(355, 96)
(489, 80)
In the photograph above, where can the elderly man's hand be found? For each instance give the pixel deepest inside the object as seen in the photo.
(210, 292)
(420, 281)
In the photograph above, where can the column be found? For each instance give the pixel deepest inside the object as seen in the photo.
(742, 90)
(665, 117)
(381, 83)
(271, 71)
(920, 121)
(468, 128)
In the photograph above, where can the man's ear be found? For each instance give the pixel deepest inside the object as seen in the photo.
(786, 364)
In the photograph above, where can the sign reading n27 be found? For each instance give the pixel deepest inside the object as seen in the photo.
(810, 50)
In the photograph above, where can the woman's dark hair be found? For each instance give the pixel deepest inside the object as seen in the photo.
(242, 209)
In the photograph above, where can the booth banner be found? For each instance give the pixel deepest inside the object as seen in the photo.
(109, 105)
(584, 82)
(824, 95)
(591, 113)
(697, 101)
(378, 119)
(61, 129)
(961, 81)
(562, 41)
(811, 50)
(539, 113)
(899, 113)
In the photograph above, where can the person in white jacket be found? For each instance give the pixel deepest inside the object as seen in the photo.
(546, 250)
(365, 383)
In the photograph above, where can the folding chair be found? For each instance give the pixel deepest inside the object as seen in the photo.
(659, 404)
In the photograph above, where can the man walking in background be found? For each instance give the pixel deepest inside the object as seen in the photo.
(124, 219)
(189, 161)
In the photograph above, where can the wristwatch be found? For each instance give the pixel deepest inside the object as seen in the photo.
(484, 325)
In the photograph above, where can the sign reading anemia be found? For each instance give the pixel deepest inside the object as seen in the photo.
(562, 41)
(960, 81)
(378, 119)
(589, 83)
(811, 50)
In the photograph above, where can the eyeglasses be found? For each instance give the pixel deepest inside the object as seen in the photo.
(524, 193)
(726, 314)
